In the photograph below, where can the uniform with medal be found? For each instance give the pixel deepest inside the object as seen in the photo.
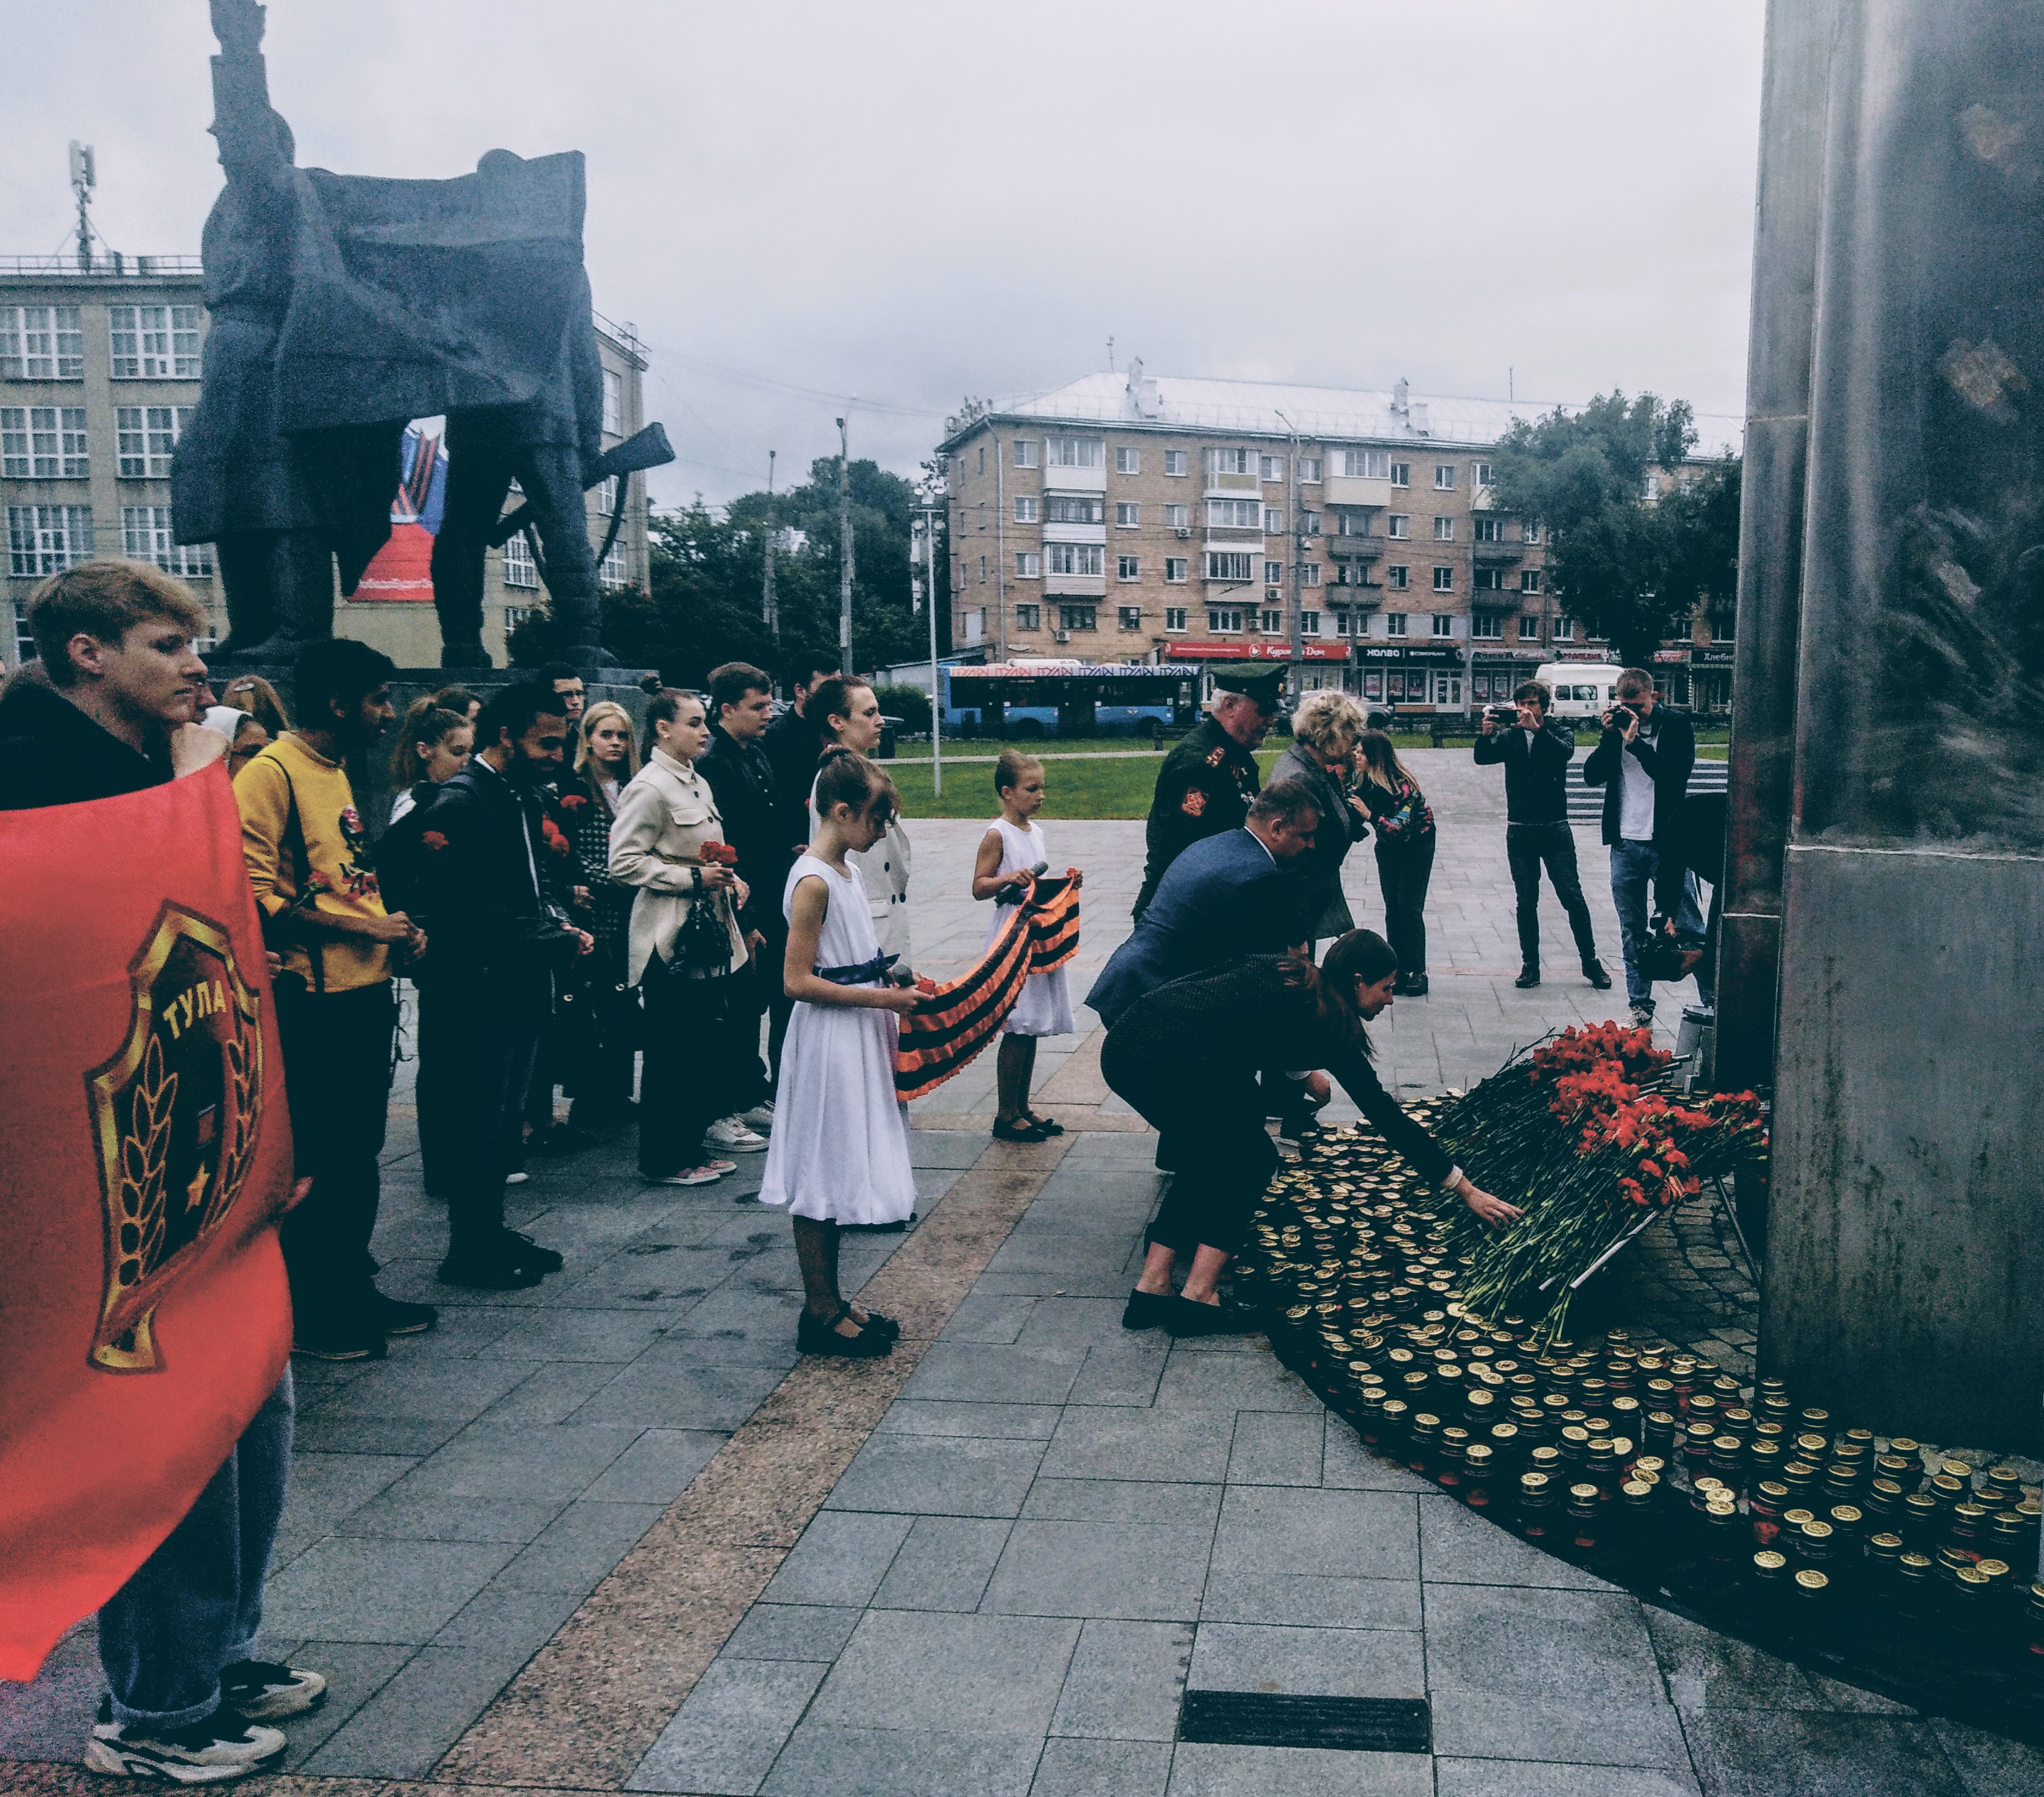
(1205, 786)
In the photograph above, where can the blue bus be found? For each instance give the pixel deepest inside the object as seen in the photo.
(1067, 698)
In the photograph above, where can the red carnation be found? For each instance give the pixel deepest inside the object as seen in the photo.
(572, 801)
(433, 840)
(550, 833)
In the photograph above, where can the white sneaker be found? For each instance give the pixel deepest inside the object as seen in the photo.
(220, 1747)
(731, 1135)
(760, 1117)
(1643, 1017)
(690, 1175)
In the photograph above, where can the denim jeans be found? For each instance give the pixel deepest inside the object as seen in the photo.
(1633, 865)
(195, 1605)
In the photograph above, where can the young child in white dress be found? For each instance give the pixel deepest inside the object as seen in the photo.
(1012, 846)
(839, 1153)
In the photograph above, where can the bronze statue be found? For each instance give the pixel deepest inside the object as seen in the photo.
(342, 306)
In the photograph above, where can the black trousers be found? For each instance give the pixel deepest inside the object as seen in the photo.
(603, 1066)
(336, 1053)
(692, 1073)
(1212, 1142)
(479, 1038)
(1405, 870)
(1527, 847)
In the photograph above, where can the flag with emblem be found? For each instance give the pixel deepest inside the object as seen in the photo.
(144, 1153)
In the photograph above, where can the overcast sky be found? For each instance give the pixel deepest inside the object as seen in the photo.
(797, 202)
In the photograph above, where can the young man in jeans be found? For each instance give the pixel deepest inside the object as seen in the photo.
(315, 884)
(1536, 751)
(112, 713)
(1642, 762)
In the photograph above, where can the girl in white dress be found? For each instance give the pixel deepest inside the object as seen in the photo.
(1013, 846)
(839, 1153)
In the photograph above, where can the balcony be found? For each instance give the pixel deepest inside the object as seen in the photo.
(1074, 533)
(1480, 500)
(1074, 587)
(1354, 489)
(1074, 480)
(1357, 548)
(1492, 554)
(1503, 599)
(1233, 486)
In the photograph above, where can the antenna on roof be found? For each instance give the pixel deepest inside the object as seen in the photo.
(1110, 356)
(84, 177)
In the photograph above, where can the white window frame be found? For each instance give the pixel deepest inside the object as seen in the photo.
(1309, 523)
(44, 443)
(1401, 473)
(1128, 567)
(41, 343)
(1444, 530)
(1235, 514)
(1127, 460)
(1564, 627)
(1078, 614)
(1177, 464)
(152, 343)
(46, 539)
(1309, 623)
(1177, 518)
(1087, 558)
(1128, 617)
(1271, 468)
(521, 569)
(614, 573)
(1025, 454)
(1530, 580)
(1218, 461)
(146, 536)
(1397, 577)
(24, 639)
(1240, 565)
(613, 403)
(1174, 617)
(1075, 508)
(1309, 574)
(1273, 521)
(1224, 621)
(1529, 532)
(1309, 470)
(1270, 620)
(1479, 473)
(1487, 580)
(1529, 627)
(1028, 565)
(1177, 569)
(1487, 628)
(1273, 572)
(1444, 577)
(1029, 509)
(1029, 616)
(1075, 452)
(1444, 477)
(1490, 530)
(1366, 464)
(1398, 526)
(1127, 514)
(1444, 626)
(1394, 624)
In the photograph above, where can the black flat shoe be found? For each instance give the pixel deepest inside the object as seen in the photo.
(1593, 972)
(815, 1337)
(1527, 976)
(1148, 1310)
(1019, 1132)
(1188, 1316)
(1049, 1127)
(529, 1252)
(491, 1270)
(876, 1324)
(1416, 987)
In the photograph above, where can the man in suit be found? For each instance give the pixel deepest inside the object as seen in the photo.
(1224, 897)
(1205, 785)
(501, 946)
(1642, 763)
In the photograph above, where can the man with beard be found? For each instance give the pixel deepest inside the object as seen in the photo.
(323, 912)
(503, 949)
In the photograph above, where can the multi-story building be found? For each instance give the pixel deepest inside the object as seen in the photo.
(1140, 518)
(99, 372)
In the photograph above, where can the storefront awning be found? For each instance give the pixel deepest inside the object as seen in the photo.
(1256, 652)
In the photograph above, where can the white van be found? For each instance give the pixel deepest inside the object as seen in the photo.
(1581, 688)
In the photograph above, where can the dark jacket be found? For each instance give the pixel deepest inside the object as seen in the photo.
(1667, 758)
(790, 746)
(1341, 826)
(1223, 898)
(1536, 773)
(51, 754)
(1697, 845)
(743, 779)
(491, 923)
(1204, 1040)
(1203, 789)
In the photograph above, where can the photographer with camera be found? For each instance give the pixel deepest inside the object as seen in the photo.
(1642, 763)
(1535, 751)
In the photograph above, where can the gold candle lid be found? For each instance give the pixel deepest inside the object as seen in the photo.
(1816, 1531)
(1767, 1562)
(1846, 1515)
(1811, 1580)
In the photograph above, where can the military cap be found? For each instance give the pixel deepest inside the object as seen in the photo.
(1266, 688)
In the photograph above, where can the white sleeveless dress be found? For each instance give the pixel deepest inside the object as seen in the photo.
(839, 1150)
(1045, 1006)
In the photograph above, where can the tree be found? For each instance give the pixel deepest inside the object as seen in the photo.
(1702, 518)
(1628, 563)
(706, 569)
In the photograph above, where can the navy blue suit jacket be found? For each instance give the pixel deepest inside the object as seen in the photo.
(1223, 898)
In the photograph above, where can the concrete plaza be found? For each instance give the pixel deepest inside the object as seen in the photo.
(610, 1533)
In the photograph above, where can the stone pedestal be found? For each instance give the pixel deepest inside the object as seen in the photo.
(1888, 822)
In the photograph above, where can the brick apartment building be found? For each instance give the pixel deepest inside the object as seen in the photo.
(1139, 518)
(99, 372)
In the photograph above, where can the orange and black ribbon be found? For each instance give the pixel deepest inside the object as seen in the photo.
(951, 1024)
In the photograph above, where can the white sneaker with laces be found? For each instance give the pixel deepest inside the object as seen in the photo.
(731, 1135)
(760, 1117)
(219, 1747)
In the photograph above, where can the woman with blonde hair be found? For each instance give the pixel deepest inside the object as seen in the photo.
(606, 761)
(433, 745)
(1404, 853)
(252, 693)
(1323, 732)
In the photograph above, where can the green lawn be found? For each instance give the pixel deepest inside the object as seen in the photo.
(1091, 788)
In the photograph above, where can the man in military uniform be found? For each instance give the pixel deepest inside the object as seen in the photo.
(1206, 783)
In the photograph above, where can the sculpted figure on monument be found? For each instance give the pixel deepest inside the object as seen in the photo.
(344, 306)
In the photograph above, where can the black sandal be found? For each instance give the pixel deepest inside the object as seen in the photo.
(814, 1338)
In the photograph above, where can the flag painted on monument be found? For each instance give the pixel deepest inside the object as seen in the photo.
(145, 1144)
(953, 1023)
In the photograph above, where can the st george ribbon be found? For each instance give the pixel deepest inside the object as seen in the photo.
(145, 1150)
(953, 1021)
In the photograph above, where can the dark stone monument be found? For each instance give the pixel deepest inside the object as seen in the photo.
(342, 306)
(1884, 935)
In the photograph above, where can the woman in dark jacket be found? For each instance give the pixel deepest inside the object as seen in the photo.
(1404, 853)
(601, 1075)
(1323, 732)
(1187, 1056)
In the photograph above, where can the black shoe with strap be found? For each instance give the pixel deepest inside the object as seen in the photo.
(814, 1336)
(1048, 1126)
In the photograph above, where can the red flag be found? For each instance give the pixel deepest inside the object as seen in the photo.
(145, 1148)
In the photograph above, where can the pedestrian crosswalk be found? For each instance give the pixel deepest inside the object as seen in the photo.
(1586, 803)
